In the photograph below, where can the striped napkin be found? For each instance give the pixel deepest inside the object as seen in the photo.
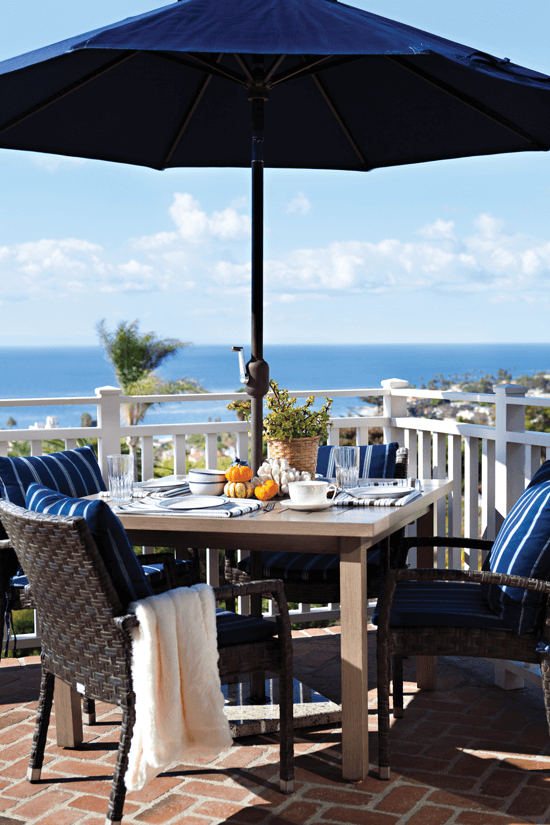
(343, 499)
(158, 507)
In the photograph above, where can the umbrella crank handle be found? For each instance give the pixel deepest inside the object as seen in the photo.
(244, 376)
(254, 375)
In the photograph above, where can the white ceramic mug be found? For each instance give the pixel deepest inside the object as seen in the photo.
(309, 492)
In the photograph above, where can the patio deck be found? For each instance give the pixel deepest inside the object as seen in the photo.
(467, 753)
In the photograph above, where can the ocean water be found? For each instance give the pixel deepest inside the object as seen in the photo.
(30, 372)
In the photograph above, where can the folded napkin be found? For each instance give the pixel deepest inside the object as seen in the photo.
(179, 701)
(151, 506)
(345, 500)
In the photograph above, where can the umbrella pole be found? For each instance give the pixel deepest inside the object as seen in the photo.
(258, 369)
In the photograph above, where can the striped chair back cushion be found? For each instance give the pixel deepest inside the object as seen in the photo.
(71, 472)
(375, 461)
(522, 548)
(108, 533)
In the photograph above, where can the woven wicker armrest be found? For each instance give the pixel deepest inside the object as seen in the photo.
(480, 576)
(437, 541)
(233, 591)
(276, 588)
(126, 622)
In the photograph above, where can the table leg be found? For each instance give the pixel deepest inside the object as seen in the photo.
(355, 709)
(426, 674)
(68, 716)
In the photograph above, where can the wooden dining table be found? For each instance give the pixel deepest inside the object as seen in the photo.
(349, 531)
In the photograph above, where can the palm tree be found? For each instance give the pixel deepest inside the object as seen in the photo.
(135, 356)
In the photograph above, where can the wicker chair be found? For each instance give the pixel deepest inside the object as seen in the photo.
(86, 641)
(326, 590)
(410, 638)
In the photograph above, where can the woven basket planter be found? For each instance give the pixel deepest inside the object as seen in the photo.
(301, 453)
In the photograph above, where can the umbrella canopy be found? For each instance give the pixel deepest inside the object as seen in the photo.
(342, 89)
(347, 90)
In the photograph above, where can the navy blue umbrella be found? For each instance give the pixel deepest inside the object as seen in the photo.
(187, 84)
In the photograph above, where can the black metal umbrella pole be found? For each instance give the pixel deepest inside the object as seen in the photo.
(258, 369)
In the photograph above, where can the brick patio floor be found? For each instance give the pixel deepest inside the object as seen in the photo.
(466, 753)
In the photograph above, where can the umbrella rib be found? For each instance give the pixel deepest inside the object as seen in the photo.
(219, 71)
(273, 68)
(72, 87)
(470, 101)
(311, 66)
(188, 115)
(341, 122)
(244, 66)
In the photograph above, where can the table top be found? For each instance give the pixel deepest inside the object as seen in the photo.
(371, 523)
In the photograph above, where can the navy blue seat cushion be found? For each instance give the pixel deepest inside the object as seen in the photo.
(542, 474)
(522, 548)
(71, 472)
(304, 566)
(441, 604)
(375, 461)
(155, 572)
(108, 533)
(234, 629)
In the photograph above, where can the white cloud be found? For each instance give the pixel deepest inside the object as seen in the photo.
(52, 163)
(154, 241)
(207, 258)
(194, 225)
(439, 229)
(492, 260)
(299, 204)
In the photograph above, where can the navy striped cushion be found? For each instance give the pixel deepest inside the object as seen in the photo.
(375, 461)
(108, 534)
(72, 472)
(234, 629)
(542, 474)
(441, 604)
(522, 548)
(304, 566)
(155, 572)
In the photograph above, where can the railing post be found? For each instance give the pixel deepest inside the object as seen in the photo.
(394, 407)
(509, 458)
(108, 424)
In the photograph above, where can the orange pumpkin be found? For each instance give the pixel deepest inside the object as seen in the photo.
(239, 489)
(239, 472)
(266, 490)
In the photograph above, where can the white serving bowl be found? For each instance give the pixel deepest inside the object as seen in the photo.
(207, 482)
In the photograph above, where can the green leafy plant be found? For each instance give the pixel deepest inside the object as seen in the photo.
(285, 420)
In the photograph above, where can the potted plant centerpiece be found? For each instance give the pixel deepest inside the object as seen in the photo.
(292, 432)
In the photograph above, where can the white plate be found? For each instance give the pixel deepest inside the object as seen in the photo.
(380, 492)
(194, 502)
(167, 481)
(324, 506)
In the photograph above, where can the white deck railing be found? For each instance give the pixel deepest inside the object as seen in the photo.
(489, 464)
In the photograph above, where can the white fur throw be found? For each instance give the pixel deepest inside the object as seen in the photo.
(179, 702)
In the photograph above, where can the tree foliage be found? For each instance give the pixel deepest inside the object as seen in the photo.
(135, 357)
(134, 354)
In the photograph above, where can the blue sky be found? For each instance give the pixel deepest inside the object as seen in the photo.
(350, 257)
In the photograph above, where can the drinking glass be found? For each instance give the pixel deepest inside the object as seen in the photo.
(346, 464)
(120, 473)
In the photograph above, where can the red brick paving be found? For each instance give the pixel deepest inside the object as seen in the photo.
(466, 754)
